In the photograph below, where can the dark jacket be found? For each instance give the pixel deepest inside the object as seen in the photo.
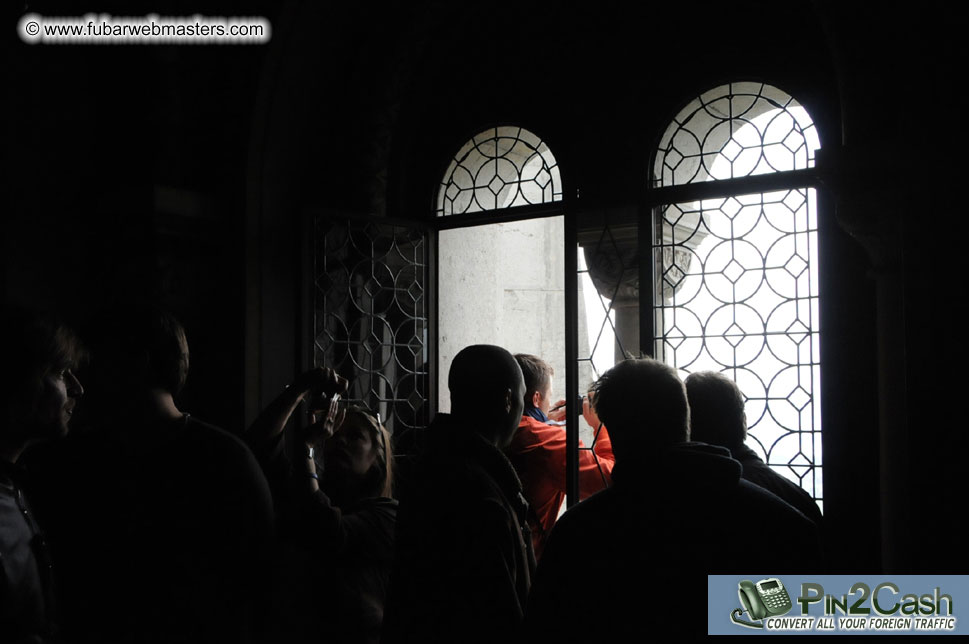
(159, 533)
(26, 600)
(464, 557)
(759, 473)
(637, 556)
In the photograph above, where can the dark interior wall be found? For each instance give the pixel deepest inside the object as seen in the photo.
(598, 83)
(187, 174)
(321, 137)
(893, 180)
(127, 178)
(934, 267)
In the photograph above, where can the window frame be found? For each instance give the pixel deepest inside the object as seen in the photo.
(641, 213)
(655, 198)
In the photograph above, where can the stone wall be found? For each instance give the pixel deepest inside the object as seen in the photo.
(502, 284)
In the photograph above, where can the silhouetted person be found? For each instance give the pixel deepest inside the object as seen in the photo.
(464, 557)
(163, 522)
(717, 417)
(38, 393)
(538, 451)
(632, 561)
(336, 524)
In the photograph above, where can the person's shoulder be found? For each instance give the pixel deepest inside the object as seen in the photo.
(442, 480)
(760, 473)
(757, 494)
(592, 510)
(791, 493)
(479, 487)
(581, 525)
(377, 506)
(757, 498)
(377, 517)
(534, 434)
(534, 425)
(454, 483)
(218, 443)
(790, 488)
(207, 432)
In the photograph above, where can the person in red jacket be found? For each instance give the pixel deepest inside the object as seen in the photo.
(538, 451)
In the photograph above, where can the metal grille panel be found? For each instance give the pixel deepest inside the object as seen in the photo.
(370, 315)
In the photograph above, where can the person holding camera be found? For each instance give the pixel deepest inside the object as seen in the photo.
(538, 451)
(335, 511)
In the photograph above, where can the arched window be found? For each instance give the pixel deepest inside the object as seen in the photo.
(500, 275)
(736, 281)
(502, 167)
(736, 130)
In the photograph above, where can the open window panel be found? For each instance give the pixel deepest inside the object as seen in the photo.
(520, 285)
(502, 284)
(607, 328)
(508, 284)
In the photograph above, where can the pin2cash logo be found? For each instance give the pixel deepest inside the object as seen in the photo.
(862, 608)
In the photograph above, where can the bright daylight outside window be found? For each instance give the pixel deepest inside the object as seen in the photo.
(737, 278)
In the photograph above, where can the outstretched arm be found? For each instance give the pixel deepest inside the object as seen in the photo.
(265, 435)
(595, 465)
(369, 526)
(322, 428)
(274, 417)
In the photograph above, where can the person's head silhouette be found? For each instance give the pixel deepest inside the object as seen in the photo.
(716, 409)
(38, 388)
(487, 391)
(137, 347)
(139, 363)
(538, 381)
(643, 403)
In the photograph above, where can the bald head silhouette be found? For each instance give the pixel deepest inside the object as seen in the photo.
(487, 390)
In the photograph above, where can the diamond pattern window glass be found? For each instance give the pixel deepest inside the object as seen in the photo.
(736, 286)
(370, 315)
(502, 167)
(735, 130)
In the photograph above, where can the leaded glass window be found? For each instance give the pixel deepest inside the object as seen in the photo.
(736, 277)
(502, 167)
(735, 130)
